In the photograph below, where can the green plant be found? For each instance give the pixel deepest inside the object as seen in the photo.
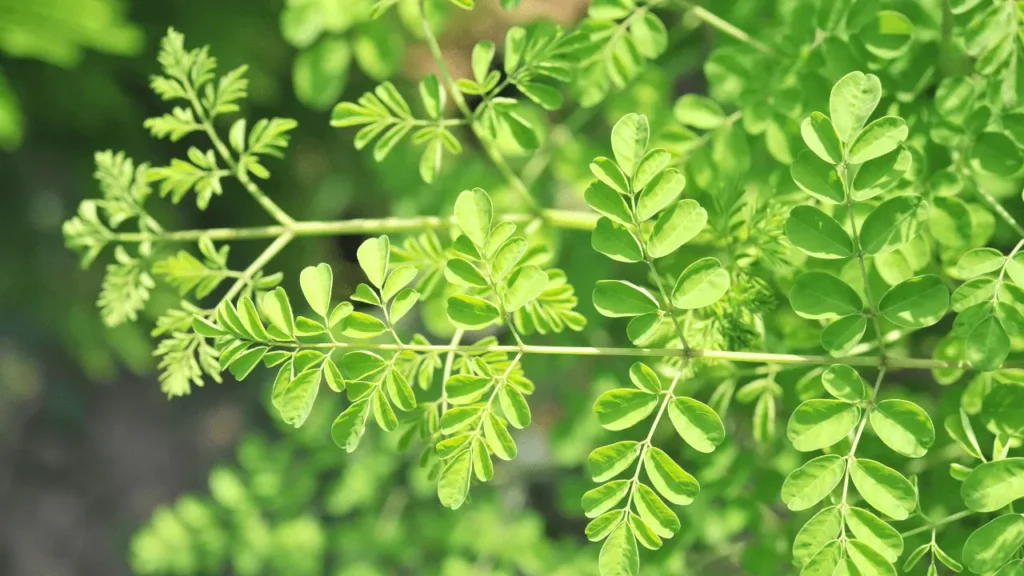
(870, 207)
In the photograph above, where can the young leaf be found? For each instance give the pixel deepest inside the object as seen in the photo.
(644, 378)
(316, 282)
(473, 212)
(629, 141)
(373, 255)
(853, 99)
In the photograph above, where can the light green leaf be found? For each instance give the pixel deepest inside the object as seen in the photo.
(644, 533)
(821, 137)
(674, 483)
(470, 312)
(853, 99)
(467, 388)
(1003, 410)
(373, 255)
(817, 233)
(608, 172)
(615, 242)
(675, 227)
(498, 438)
(629, 141)
(877, 139)
(987, 344)
(607, 462)
(826, 561)
(650, 166)
(361, 325)
(883, 488)
(880, 174)
(817, 424)
(904, 427)
(546, 96)
(993, 485)
(514, 406)
(845, 383)
(697, 423)
(812, 482)
(608, 202)
(453, 484)
(603, 498)
(623, 407)
(348, 428)
(822, 295)
(296, 400)
(316, 282)
(473, 212)
(959, 428)
(402, 303)
(654, 512)
(821, 529)
(994, 153)
(524, 286)
(619, 555)
(320, 73)
(599, 528)
(617, 298)
(698, 111)
(893, 223)
(382, 412)
(875, 532)
(915, 303)
(702, 284)
(887, 35)
(868, 561)
(662, 190)
(644, 378)
(817, 177)
(990, 546)
(979, 261)
(278, 310)
(841, 336)
(507, 256)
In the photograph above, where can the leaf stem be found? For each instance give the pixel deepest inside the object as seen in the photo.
(937, 523)
(723, 26)
(460, 101)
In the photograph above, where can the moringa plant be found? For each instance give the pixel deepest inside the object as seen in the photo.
(825, 238)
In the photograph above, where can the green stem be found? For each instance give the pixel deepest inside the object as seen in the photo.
(723, 26)
(937, 523)
(488, 145)
(449, 362)
(997, 207)
(266, 256)
(565, 219)
(860, 260)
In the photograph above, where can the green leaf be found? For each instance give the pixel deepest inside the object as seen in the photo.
(383, 413)
(904, 427)
(822, 295)
(373, 255)
(361, 325)
(599, 528)
(675, 227)
(841, 336)
(915, 303)
(990, 546)
(470, 312)
(473, 212)
(608, 172)
(817, 234)
(453, 484)
(644, 378)
(661, 191)
(697, 423)
(821, 529)
(615, 242)
(817, 424)
(853, 99)
(483, 54)
(243, 364)
(603, 498)
(498, 438)
(654, 512)
(877, 139)
(959, 428)
(698, 111)
(332, 375)
(887, 35)
(617, 298)
(466, 388)
(320, 73)
(619, 555)
(607, 462)
(462, 272)
(514, 406)
(644, 533)
(994, 153)
(629, 141)
(674, 483)
(278, 310)
(702, 284)
(979, 261)
(623, 407)
(652, 164)
(845, 383)
(812, 482)
(880, 174)
(402, 303)
(817, 177)
(608, 202)
(875, 532)
(524, 286)
(868, 560)
(993, 485)
(296, 399)
(821, 137)
(987, 344)
(883, 488)
(350, 425)
(826, 561)
(316, 282)
(916, 556)
(548, 97)
(893, 223)
(1003, 410)
(507, 255)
